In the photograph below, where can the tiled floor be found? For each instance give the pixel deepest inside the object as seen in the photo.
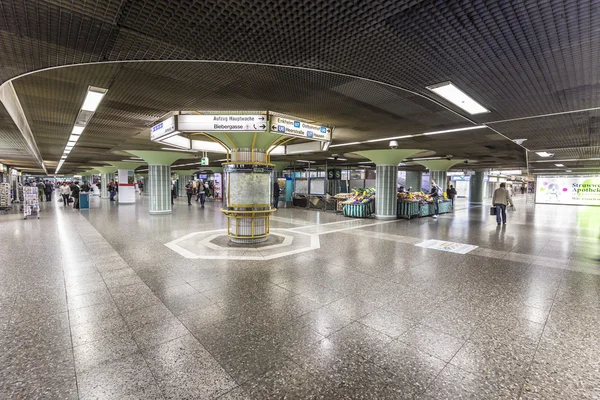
(94, 305)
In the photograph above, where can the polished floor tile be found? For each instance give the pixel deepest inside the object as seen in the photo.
(367, 315)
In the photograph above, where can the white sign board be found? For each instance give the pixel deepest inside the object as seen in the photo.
(291, 127)
(450, 247)
(162, 129)
(568, 189)
(222, 123)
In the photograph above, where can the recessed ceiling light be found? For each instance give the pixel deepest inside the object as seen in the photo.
(543, 154)
(366, 162)
(93, 98)
(74, 138)
(568, 170)
(77, 130)
(559, 165)
(454, 95)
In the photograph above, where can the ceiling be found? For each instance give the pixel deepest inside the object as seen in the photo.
(360, 66)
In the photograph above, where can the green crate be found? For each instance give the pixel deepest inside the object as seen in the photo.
(358, 210)
(445, 207)
(408, 209)
(426, 210)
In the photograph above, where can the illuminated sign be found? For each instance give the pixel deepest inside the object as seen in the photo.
(568, 189)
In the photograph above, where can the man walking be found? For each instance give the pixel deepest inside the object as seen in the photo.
(75, 193)
(41, 191)
(276, 192)
(500, 200)
(189, 191)
(48, 190)
(435, 192)
(451, 194)
(112, 189)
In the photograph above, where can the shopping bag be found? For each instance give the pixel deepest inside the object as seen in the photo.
(493, 210)
(70, 200)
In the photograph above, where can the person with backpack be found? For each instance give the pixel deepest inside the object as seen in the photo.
(48, 189)
(435, 192)
(75, 193)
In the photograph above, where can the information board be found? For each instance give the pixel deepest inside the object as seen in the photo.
(568, 189)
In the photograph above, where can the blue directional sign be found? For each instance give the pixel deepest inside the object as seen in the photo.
(323, 129)
(310, 134)
(281, 128)
(296, 124)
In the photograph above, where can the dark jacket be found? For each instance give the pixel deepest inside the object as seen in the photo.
(451, 192)
(276, 189)
(48, 188)
(434, 191)
(74, 190)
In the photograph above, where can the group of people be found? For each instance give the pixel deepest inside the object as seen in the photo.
(45, 190)
(70, 192)
(200, 189)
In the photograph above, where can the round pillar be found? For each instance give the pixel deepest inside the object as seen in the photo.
(413, 180)
(440, 178)
(160, 189)
(248, 185)
(476, 188)
(105, 178)
(386, 198)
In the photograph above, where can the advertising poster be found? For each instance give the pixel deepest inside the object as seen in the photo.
(568, 189)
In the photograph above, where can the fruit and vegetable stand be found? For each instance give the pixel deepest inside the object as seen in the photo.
(408, 209)
(360, 205)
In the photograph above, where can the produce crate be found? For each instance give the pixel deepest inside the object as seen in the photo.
(426, 210)
(358, 210)
(408, 209)
(445, 207)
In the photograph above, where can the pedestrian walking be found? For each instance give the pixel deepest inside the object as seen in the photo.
(500, 200)
(189, 191)
(65, 192)
(276, 192)
(451, 192)
(435, 192)
(75, 193)
(48, 188)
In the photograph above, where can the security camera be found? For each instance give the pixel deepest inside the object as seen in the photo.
(449, 157)
(466, 161)
(394, 144)
(195, 155)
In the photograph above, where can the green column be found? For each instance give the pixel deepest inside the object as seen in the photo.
(106, 174)
(476, 188)
(386, 161)
(159, 174)
(386, 198)
(413, 180)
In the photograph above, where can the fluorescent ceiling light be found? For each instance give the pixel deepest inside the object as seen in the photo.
(454, 95)
(469, 128)
(339, 159)
(77, 130)
(93, 98)
(568, 170)
(304, 161)
(425, 158)
(389, 138)
(71, 143)
(73, 138)
(326, 145)
(174, 149)
(543, 154)
(344, 144)
(559, 165)
(366, 162)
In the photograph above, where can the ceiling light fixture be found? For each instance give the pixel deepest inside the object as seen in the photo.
(468, 128)
(90, 104)
(389, 138)
(344, 144)
(425, 158)
(366, 162)
(568, 170)
(559, 165)
(326, 145)
(544, 154)
(93, 98)
(454, 95)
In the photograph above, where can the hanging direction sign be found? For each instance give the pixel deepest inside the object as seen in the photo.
(163, 129)
(297, 128)
(222, 123)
